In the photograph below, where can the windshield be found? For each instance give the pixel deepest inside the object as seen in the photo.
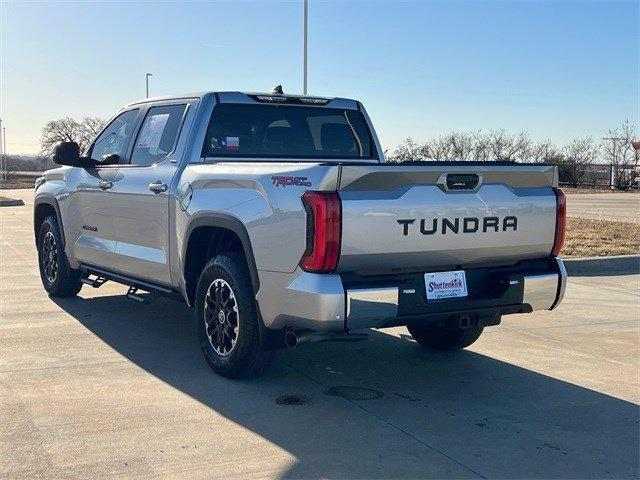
(282, 131)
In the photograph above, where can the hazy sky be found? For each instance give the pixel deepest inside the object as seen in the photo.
(554, 69)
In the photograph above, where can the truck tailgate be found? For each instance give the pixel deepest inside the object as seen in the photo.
(397, 216)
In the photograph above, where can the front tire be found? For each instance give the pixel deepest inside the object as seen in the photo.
(58, 278)
(227, 319)
(445, 339)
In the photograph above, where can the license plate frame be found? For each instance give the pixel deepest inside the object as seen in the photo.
(445, 285)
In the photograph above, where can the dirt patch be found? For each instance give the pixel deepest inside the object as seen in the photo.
(598, 238)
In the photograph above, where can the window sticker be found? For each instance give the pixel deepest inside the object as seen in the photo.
(230, 144)
(152, 131)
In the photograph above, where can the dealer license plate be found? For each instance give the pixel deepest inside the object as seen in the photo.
(445, 284)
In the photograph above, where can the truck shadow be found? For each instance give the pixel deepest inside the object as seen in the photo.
(435, 415)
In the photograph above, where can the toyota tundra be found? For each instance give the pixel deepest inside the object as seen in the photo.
(278, 220)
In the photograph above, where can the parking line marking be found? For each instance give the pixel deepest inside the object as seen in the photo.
(27, 263)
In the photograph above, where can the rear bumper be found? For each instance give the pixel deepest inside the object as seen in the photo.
(545, 292)
(523, 292)
(339, 303)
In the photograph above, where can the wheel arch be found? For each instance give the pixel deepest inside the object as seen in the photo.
(43, 207)
(220, 232)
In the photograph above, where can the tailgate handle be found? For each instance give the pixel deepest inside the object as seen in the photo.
(462, 181)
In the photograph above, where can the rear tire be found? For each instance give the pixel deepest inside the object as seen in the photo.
(227, 320)
(445, 339)
(58, 278)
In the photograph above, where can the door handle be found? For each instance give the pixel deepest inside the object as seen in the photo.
(105, 184)
(158, 186)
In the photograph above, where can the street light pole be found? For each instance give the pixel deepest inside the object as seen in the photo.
(146, 79)
(305, 42)
(4, 153)
(1, 153)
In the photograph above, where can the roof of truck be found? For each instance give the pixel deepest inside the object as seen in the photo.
(225, 93)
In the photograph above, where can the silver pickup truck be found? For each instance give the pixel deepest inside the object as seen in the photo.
(278, 220)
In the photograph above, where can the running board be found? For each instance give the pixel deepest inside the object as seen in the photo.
(134, 284)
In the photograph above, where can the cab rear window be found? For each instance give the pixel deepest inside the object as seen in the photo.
(279, 131)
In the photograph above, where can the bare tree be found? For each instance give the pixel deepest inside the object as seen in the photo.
(439, 149)
(545, 152)
(481, 146)
(578, 155)
(410, 151)
(91, 127)
(68, 129)
(461, 146)
(62, 130)
(618, 150)
(504, 146)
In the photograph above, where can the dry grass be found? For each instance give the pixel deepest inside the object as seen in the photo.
(17, 181)
(595, 238)
(571, 190)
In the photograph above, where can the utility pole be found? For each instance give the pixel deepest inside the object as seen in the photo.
(614, 166)
(304, 48)
(146, 79)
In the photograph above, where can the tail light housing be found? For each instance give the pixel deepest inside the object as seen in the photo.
(324, 226)
(561, 221)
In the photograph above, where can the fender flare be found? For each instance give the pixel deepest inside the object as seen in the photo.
(229, 222)
(53, 202)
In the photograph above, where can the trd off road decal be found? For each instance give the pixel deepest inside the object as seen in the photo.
(295, 181)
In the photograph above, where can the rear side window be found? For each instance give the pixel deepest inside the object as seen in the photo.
(158, 134)
(280, 131)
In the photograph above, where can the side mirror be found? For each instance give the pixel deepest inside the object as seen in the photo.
(67, 153)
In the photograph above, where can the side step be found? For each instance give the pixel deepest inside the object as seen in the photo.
(94, 282)
(102, 276)
(132, 295)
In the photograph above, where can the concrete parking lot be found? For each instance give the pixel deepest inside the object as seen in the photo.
(102, 387)
(623, 207)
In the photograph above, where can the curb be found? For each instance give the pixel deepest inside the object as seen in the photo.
(616, 264)
(11, 202)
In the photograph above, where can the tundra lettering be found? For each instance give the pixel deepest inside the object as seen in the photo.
(469, 225)
(271, 216)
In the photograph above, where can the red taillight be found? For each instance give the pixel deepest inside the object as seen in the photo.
(324, 213)
(561, 221)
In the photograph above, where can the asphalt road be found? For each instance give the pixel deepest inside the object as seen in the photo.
(101, 387)
(624, 207)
